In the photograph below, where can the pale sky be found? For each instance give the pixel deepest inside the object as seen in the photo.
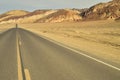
(31, 5)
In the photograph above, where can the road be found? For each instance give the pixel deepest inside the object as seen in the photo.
(8, 59)
(44, 60)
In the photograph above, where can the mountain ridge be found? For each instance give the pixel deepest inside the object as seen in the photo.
(100, 11)
(109, 10)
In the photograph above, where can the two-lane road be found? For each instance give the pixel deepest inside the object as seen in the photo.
(48, 61)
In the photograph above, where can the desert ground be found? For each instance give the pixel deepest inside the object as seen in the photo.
(99, 39)
(96, 38)
(4, 27)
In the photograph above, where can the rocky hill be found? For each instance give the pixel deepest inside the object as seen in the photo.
(62, 15)
(42, 16)
(30, 17)
(101, 11)
(110, 10)
(12, 14)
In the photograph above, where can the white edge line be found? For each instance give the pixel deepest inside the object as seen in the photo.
(85, 55)
(53, 41)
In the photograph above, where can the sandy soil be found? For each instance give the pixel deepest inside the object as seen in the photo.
(4, 27)
(96, 38)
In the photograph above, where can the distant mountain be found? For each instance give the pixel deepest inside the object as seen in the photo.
(110, 10)
(29, 17)
(101, 11)
(59, 15)
(62, 15)
(12, 14)
(34, 16)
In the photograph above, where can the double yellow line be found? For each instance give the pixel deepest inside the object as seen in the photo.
(20, 70)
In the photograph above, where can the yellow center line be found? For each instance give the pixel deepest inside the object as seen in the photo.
(20, 75)
(27, 74)
(26, 71)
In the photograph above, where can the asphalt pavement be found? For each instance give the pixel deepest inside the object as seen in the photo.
(42, 59)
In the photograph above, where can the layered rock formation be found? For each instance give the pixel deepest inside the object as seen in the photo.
(101, 11)
(62, 15)
(110, 10)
